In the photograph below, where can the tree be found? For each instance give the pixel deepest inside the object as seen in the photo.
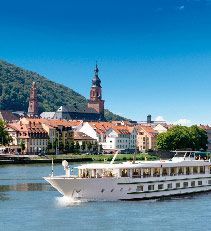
(49, 146)
(77, 147)
(95, 146)
(23, 146)
(72, 147)
(199, 138)
(67, 146)
(55, 144)
(83, 145)
(61, 146)
(100, 148)
(5, 138)
(89, 146)
(182, 137)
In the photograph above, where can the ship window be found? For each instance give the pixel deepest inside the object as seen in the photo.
(156, 172)
(199, 182)
(136, 173)
(164, 172)
(187, 171)
(209, 181)
(151, 187)
(173, 171)
(185, 184)
(202, 169)
(177, 185)
(180, 172)
(146, 172)
(193, 183)
(124, 173)
(160, 186)
(140, 188)
(169, 186)
(195, 170)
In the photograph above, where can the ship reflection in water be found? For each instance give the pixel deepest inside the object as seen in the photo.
(26, 187)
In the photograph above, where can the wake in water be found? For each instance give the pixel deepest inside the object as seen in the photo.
(67, 201)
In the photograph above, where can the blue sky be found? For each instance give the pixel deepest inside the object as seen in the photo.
(154, 56)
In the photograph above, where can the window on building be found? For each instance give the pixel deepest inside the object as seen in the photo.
(209, 181)
(151, 187)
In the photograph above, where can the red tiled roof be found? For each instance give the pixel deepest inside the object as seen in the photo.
(149, 130)
(82, 136)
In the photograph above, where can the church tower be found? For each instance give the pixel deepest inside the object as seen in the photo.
(95, 100)
(33, 103)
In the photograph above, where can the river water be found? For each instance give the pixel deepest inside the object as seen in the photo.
(27, 202)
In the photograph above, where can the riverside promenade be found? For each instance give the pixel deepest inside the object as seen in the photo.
(35, 159)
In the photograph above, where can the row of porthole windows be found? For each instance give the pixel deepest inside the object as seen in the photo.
(185, 184)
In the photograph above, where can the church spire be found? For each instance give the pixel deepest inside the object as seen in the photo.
(33, 103)
(96, 82)
(95, 100)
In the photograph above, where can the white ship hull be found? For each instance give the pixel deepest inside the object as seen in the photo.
(126, 188)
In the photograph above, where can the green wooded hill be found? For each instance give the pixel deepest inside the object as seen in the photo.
(15, 84)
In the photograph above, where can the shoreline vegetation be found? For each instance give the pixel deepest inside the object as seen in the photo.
(74, 158)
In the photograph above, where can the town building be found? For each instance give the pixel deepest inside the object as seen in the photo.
(41, 135)
(31, 137)
(96, 130)
(120, 138)
(112, 136)
(146, 138)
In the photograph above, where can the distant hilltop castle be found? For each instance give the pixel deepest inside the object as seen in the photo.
(93, 112)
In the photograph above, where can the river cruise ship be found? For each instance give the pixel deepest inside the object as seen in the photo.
(185, 173)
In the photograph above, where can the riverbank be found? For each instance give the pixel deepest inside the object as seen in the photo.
(27, 159)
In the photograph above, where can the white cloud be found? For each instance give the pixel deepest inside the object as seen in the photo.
(184, 122)
(159, 118)
(181, 7)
